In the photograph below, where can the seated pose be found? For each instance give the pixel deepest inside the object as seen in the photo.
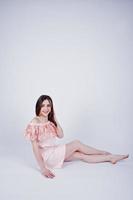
(43, 130)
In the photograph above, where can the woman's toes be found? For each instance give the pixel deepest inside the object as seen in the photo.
(126, 156)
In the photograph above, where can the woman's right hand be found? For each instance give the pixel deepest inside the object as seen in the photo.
(47, 173)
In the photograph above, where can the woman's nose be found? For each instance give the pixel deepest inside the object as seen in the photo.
(45, 109)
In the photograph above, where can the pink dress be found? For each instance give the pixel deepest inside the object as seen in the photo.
(45, 135)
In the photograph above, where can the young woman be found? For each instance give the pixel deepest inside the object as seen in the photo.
(43, 130)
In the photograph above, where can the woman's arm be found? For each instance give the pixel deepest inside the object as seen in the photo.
(37, 154)
(60, 133)
(46, 172)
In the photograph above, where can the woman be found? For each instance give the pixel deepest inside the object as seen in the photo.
(43, 130)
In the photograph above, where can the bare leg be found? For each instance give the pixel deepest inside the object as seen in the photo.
(91, 150)
(76, 145)
(96, 158)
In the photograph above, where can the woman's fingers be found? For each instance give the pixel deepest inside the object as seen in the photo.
(48, 174)
(52, 175)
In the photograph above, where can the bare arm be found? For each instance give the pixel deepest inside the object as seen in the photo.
(37, 154)
(46, 172)
(60, 133)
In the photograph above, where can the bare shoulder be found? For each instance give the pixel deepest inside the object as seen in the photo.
(35, 120)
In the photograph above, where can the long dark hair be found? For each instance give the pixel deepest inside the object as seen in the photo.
(39, 105)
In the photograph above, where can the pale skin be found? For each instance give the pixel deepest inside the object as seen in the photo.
(75, 150)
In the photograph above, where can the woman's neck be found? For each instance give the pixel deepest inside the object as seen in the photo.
(43, 119)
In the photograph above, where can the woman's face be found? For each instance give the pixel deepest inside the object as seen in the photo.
(45, 109)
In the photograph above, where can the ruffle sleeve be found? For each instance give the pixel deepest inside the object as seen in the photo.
(31, 132)
(38, 131)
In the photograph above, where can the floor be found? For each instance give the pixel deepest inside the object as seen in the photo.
(21, 179)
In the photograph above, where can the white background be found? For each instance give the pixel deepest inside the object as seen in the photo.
(78, 52)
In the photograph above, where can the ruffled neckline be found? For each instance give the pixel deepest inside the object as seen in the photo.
(40, 123)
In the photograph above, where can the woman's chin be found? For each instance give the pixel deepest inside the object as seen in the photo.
(45, 114)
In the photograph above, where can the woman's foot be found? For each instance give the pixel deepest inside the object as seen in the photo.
(115, 158)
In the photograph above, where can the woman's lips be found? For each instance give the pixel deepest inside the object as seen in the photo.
(45, 112)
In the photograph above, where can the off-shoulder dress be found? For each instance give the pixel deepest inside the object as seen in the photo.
(46, 134)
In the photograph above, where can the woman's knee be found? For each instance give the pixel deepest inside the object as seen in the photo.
(73, 146)
(76, 142)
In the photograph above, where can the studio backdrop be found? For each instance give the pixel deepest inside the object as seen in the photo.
(81, 56)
